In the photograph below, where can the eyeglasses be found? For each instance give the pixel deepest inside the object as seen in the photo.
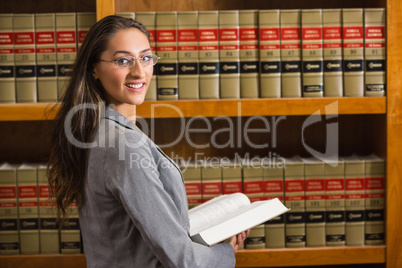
(129, 61)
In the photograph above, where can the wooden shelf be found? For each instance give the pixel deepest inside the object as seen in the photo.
(244, 258)
(211, 108)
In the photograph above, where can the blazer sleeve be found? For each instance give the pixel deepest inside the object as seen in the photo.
(155, 215)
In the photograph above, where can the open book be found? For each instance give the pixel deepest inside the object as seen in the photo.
(228, 215)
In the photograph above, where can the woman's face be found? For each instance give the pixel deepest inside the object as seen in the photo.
(125, 87)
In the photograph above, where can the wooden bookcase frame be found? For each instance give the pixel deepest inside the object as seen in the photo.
(386, 112)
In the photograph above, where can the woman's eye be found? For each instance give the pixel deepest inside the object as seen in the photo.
(123, 61)
(147, 58)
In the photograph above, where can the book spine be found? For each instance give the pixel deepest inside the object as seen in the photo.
(270, 54)
(290, 53)
(256, 238)
(354, 203)
(208, 54)
(375, 202)
(28, 209)
(229, 54)
(253, 181)
(9, 239)
(249, 54)
(232, 178)
(374, 52)
(7, 63)
(46, 57)
(166, 45)
(49, 232)
(66, 45)
(211, 181)
(25, 58)
(273, 188)
(315, 204)
(148, 20)
(85, 20)
(335, 204)
(353, 52)
(333, 59)
(70, 234)
(295, 219)
(187, 25)
(192, 183)
(312, 54)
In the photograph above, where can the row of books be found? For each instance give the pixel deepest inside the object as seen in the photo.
(28, 219)
(37, 51)
(332, 203)
(210, 54)
(267, 53)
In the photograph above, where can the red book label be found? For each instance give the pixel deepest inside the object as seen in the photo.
(312, 33)
(229, 47)
(375, 45)
(353, 45)
(354, 184)
(166, 48)
(273, 186)
(8, 204)
(248, 34)
(292, 186)
(314, 185)
(208, 35)
(334, 196)
(229, 34)
(269, 34)
(291, 33)
(353, 32)
(212, 188)
(24, 38)
(315, 197)
(66, 49)
(208, 47)
(8, 192)
(66, 37)
(248, 47)
(375, 32)
(294, 198)
(334, 184)
(28, 191)
(232, 187)
(188, 35)
(376, 183)
(269, 47)
(24, 50)
(152, 34)
(6, 51)
(290, 46)
(375, 195)
(253, 187)
(331, 33)
(166, 36)
(355, 196)
(6, 39)
(333, 45)
(28, 204)
(44, 191)
(193, 188)
(44, 38)
(45, 50)
(188, 48)
(81, 36)
(312, 46)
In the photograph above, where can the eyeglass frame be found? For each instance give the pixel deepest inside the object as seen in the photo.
(155, 59)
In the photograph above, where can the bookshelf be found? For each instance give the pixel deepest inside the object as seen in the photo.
(376, 123)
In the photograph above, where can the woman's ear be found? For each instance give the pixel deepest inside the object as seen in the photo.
(95, 75)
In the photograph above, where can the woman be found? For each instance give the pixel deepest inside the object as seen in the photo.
(130, 195)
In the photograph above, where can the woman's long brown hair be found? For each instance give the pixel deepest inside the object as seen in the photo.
(67, 167)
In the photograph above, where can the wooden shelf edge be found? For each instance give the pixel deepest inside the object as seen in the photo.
(310, 256)
(245, 258)
(212, 108)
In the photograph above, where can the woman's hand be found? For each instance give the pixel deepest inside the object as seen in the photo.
(237, 240)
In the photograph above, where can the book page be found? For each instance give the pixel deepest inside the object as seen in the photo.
(215, 209)
(240, 220)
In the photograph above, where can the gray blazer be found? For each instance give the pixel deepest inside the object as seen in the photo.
(135, 212)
